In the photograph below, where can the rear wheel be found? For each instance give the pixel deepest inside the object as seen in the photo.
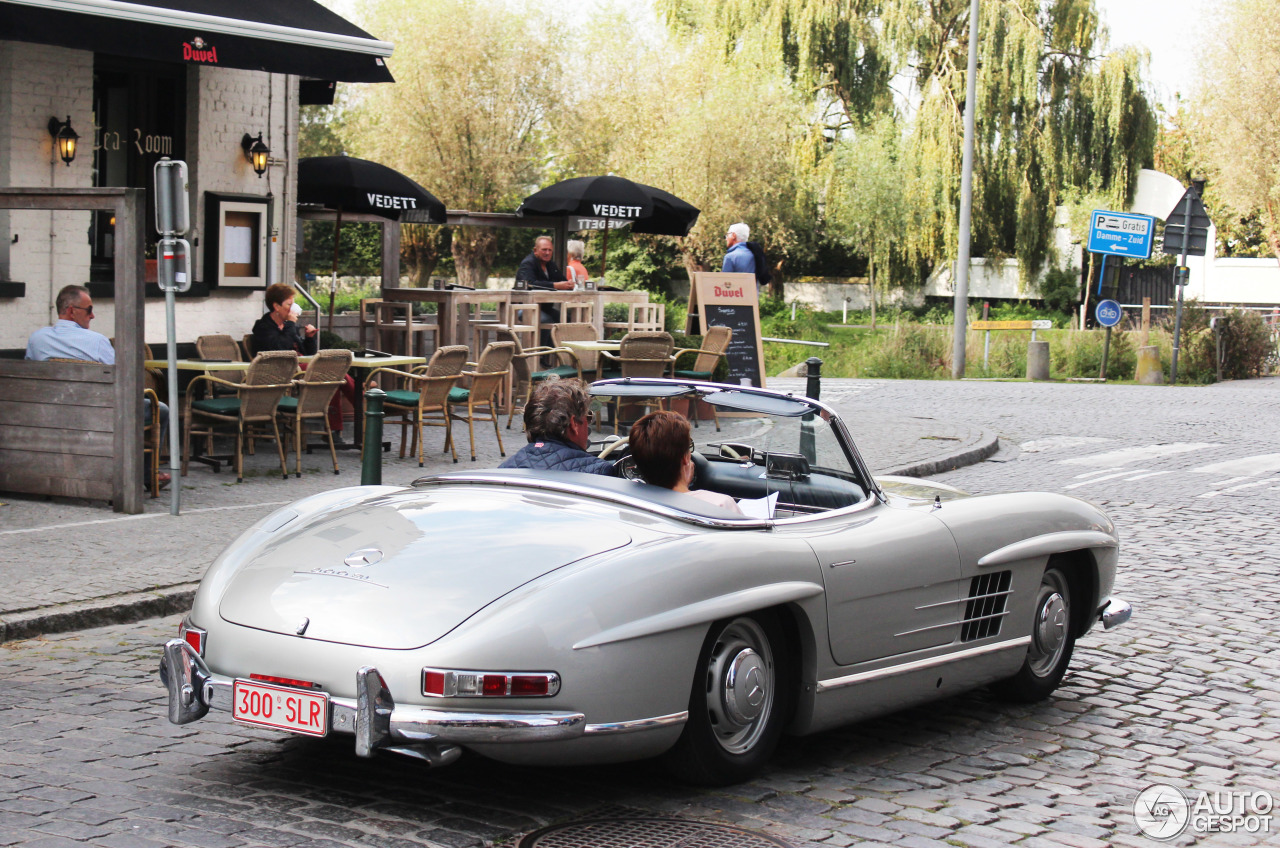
(1052, 641)
(740, 700)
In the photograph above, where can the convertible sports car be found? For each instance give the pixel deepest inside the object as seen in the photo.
(560, 618)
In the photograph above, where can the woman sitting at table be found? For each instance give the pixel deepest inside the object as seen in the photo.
(662, 446)
(278, 330)
(575, 271)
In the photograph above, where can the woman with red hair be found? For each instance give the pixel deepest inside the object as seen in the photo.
(662, 446)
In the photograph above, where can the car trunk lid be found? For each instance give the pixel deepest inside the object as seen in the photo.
(401, 571)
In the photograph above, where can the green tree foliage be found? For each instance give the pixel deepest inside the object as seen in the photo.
(1239, 112)
(468, 114)
(1054, 111)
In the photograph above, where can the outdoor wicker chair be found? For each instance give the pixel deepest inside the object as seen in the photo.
(220, 347)
(480, 396)
(325, 374)
(644, 353)
(714, 344)
(582, 364)
(250, 411)
(523, 374)
(424, 400)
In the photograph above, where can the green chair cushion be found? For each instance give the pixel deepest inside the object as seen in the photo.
(564, 372)
(694, 375)
(287, 404)
(218, 406)
(400, 397)
(457, 395)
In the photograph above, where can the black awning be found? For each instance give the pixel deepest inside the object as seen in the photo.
(280, 36)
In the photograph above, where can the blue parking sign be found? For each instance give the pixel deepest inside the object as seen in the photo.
(1121, 234)
(1108, 313)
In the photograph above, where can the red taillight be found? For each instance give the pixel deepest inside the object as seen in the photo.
(284, 681)
(448, 683)
(529, 686)
(433, 683)
(192, 635)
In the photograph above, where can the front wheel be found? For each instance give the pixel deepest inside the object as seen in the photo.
(1052, 641)
(741, 697)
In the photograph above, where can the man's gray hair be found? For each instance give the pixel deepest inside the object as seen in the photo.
(69, 297)
(543, 238)
(741, 232)
(575, 248)
(552, 407)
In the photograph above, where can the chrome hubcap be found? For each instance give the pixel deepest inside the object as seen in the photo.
(1053, 617)
(740, 686)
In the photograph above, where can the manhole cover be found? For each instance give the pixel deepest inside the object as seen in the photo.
(646, 833)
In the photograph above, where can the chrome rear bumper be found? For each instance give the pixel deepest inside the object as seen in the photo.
(1115, 613)
(378, 723)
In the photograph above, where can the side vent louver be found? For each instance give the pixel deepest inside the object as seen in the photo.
(988, 599)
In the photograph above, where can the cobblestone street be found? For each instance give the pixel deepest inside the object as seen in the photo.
(1187, 693)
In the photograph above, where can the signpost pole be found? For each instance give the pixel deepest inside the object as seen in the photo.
(966, 199)
(1106, 353)
(1179, 281)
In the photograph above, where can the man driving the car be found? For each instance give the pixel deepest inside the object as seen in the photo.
(557, 420)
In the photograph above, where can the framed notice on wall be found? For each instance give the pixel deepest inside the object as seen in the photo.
(730, 300)
(236, 232)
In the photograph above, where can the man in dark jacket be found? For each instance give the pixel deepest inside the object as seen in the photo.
(539, 270)
(557, 419)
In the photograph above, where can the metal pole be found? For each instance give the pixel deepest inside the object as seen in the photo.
(812, 388)
(371, 461)
(175, 467)
(1182, 262)
(1106, 352)
(966, 199)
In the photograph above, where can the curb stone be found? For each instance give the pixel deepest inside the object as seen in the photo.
(99, 612)
(987, 445)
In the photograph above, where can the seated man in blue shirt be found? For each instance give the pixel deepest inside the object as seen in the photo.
(557, 419)
(739, 259)
(71, 338)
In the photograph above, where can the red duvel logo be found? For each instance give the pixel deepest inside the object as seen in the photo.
(199, 50)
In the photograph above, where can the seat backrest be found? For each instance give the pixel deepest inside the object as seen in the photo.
(578, 311)
(328, 366)
(269, 368)
(520, 369)
(561, 333)
(647, 316)
(366, 309)
(249, 345)
(523, 314)
(495, 361)
(218, 346)
(716, 342)
(645, 353)
(447, 361)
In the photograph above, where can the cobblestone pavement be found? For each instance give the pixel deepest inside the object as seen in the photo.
(1185, 694)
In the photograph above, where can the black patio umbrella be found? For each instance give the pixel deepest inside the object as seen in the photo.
(348, 184)
(645, 208)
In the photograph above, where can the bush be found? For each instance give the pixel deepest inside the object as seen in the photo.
(1247, 347)
(1060, 289)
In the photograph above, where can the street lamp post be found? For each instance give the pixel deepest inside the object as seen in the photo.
(966, 199)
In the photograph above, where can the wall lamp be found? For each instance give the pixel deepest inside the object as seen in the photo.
(65, 138)
(256, 153)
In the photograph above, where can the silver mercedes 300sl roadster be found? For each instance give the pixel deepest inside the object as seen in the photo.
(561, 618)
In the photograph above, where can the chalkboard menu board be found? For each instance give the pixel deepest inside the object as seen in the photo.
(743, 355)
(730, 300)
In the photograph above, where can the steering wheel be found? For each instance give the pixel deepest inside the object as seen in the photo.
(701, 467)
(611, 447)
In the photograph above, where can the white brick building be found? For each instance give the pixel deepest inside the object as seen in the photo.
(143, 80)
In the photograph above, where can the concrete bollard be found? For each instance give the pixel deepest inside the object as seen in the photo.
(1037, 360)
(1149, 371)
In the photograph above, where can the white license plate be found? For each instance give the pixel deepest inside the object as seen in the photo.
(280, 707)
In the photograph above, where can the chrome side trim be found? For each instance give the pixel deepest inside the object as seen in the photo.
(1115, 613)
(1049, 543)
(637, 724)
(956, 623)
(920, 665)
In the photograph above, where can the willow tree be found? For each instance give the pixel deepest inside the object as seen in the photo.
(1239, 110)
(475, 81)
(1054, 110)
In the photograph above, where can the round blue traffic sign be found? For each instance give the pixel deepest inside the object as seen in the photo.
(1108, 313)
